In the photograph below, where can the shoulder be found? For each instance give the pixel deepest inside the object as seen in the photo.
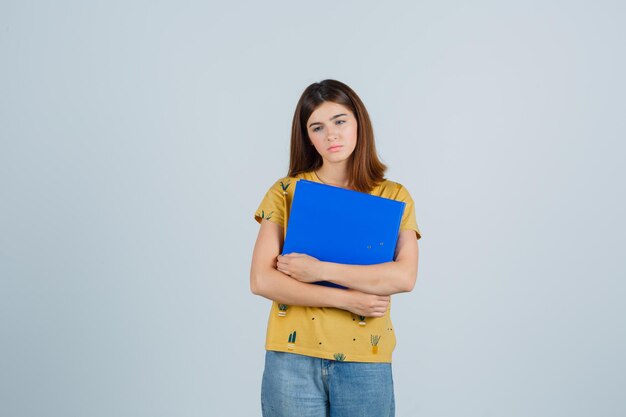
(284, 185)
(394, 190)
(273, 205)
(287, 185)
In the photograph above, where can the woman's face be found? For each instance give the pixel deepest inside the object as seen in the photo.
(332, 129)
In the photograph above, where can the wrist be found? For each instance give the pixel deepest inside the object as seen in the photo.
(321, 271)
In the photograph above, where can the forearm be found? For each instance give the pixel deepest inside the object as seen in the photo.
(276, 286)
(381, 279)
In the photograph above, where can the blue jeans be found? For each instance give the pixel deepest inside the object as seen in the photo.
(303, 386)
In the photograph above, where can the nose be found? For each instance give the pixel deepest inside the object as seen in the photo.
(332, 133)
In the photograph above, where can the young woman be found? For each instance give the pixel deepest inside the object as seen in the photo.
(328, 350)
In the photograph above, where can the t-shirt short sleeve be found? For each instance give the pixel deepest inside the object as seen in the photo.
(272, 205)
(408, 217)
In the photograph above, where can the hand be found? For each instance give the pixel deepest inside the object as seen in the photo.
(300, 266)
(367, 305)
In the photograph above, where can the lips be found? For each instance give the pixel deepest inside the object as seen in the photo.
(334, 148)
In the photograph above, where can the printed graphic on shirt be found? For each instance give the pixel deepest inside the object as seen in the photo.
(269, 216)
(282, 310)
(340, 357)
(291, 344)
(374, 340)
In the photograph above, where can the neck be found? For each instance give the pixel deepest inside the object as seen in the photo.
(337, 176)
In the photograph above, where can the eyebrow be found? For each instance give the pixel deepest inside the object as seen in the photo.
(332, 118)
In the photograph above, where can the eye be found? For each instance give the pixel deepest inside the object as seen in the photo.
(317, 128)
(340, 122)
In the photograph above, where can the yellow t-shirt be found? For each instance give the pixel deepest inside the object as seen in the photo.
(323, 332)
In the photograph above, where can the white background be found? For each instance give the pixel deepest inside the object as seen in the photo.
(138, 138)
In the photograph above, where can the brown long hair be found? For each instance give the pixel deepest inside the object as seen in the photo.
(365, 170)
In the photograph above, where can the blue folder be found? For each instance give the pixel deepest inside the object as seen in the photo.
(333, 224)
